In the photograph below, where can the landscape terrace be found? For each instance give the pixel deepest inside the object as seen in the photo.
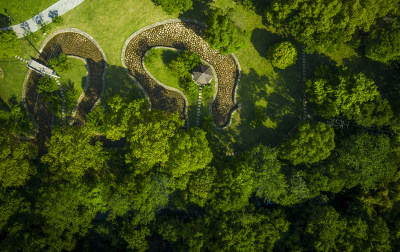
(199, 125)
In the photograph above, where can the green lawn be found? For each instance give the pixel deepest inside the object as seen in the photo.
(14, 74)
(22, 10)
(76, 74)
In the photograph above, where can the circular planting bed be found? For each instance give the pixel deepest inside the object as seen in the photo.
(182, 35)
(75, 43)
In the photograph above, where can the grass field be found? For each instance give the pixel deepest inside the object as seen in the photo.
(21, 11)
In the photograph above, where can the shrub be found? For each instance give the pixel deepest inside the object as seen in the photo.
(282, 55)
(174, 6)
(57, 20)
(221, 33)
(9, 44)
(60, 64)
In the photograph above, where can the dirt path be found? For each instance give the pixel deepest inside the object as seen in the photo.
(183, 35)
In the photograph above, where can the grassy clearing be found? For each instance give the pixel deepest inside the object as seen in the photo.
(14, 74)
(22, 10)
(76, 74)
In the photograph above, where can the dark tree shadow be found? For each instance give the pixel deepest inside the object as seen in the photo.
(5, 21)
(84, 82)
(262, 40)
(117, 82)
(169, 55)
(53, 14)
(198, 11)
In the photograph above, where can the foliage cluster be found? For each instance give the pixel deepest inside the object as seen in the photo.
(9, 44)
(174, 6)
(183, 66)
(282, 55)
(221, 33)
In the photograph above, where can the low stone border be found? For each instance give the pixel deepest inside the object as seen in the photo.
(219, 108)
(98, 58)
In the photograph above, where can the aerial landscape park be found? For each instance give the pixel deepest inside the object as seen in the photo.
(200, 125)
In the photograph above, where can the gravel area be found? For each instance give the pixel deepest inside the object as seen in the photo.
(71, 42)
(183, 35)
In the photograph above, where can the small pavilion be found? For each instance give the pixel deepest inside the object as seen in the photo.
(202, 74)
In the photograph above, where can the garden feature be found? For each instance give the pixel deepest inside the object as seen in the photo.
(182, 35)
(70, 42)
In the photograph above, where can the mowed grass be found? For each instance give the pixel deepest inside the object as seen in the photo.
(14, 74)
(22, 10)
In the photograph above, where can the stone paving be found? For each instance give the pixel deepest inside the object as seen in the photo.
(44, 17)
(183, 35)
(199, 107)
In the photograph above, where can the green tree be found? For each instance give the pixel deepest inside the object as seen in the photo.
(377, 112)
(367, 160)
(344, 93)
(71, 154)
(269, 180)
(326, 25)
(233, 185)
(200, 185)
(11, 203)
(174, 6)
(312, 143)
(67, 212)
(9, 44)
(16, 160)
(384, 44)
(189, 146)
(48, 89)
(282, 55)
(246, 231)
(221, 33)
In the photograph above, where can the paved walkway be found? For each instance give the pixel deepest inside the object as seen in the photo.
(46, 16)
(199, 106)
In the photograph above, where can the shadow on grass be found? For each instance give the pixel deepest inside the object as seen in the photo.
(4, 21)
(283, 110)
(262, 40)
(198, 11)
(169, 55)
(117, 82)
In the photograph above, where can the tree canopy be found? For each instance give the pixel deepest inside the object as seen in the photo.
(9, 44)
(282, 55)
(221, 33)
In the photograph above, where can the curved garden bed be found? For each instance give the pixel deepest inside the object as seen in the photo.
(76, 43)
(183, 35)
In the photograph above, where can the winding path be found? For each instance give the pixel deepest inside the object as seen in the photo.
(76, 43)
(44, 17)
(182, 35)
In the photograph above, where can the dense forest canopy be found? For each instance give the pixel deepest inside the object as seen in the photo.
(133, 178)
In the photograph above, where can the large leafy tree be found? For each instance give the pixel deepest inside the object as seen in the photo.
(9, 44)
(367, 160)
(72, 155)
(269, 180)
(282, 55)
(344, 93)
(233, 185)
(312, 143)
(189, 146)
(384, 44)
(67, 212)
(326, 25)
(221, 33)
(16, 160)
(174, 6)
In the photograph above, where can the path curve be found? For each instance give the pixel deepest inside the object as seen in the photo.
(182, 35)
(72, 42)
(32, 25)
